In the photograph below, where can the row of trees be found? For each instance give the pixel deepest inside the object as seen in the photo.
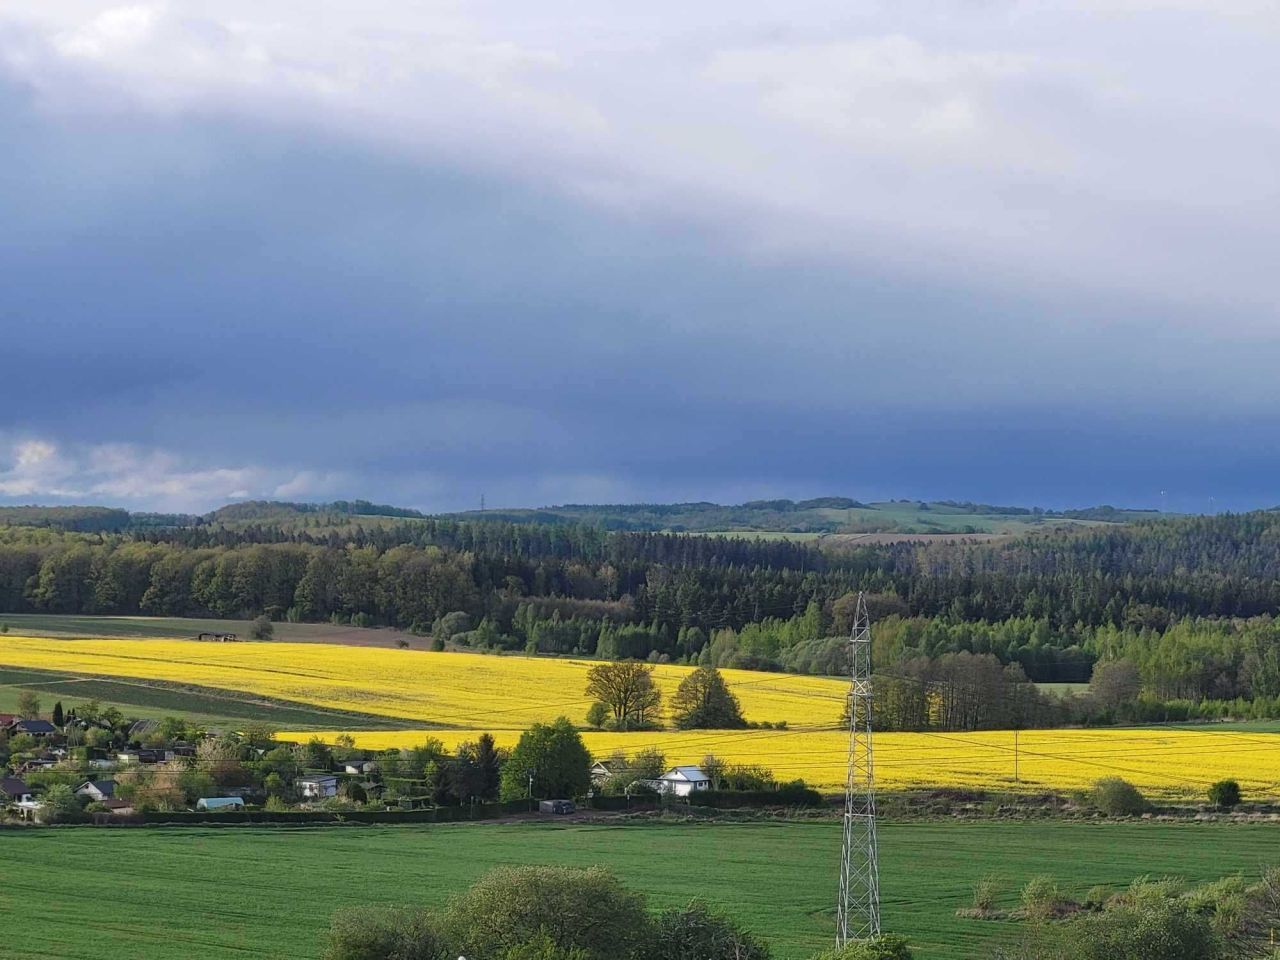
(627, 698)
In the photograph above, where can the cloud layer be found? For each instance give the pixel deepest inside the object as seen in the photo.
(997, 250)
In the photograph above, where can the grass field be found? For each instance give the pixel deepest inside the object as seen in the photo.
(75, 625)
(169, 894)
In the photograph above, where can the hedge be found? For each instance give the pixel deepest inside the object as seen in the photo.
(786, 796)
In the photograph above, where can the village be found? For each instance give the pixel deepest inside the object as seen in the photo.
(93, 765)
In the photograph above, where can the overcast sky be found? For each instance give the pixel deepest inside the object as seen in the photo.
(420, 252)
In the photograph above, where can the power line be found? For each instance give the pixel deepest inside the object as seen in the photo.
(858, 906)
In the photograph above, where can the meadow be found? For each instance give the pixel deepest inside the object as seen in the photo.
(223, 893)
(326, 690)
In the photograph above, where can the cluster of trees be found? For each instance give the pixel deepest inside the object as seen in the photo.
(558, 913)
(625, 697)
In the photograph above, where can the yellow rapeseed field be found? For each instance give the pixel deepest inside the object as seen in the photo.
(465, 694)
(465, 690)
(1162, 762)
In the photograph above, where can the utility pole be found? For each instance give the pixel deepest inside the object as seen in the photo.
(858, 907)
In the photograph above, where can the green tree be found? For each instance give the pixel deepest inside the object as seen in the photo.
(57, 718)
(1225, 794)
(556, 758)
(385, 933)
(588, 910)
(627, 689)
(884, 947)
(697, 933)
(597, 715)
(28, 705)
(60, 805)
(704, 701)
(263, 628)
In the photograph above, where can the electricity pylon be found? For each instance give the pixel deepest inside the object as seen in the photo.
(858, 909)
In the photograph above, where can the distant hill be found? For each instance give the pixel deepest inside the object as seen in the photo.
(822, 515)
(818, 516)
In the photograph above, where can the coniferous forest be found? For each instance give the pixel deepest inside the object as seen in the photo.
(1188, 602)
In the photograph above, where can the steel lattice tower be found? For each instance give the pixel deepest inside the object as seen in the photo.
(858, 909)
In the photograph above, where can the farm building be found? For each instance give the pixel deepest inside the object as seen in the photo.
(600, 772)
(97, 790)
(317, 787)
(220, 803)
(682, 781)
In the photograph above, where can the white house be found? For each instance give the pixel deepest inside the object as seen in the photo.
(317, 787)
(682, 781)
(97, 790)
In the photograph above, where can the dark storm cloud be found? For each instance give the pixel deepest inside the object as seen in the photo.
(198, 308)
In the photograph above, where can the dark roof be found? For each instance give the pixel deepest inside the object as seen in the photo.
(105, 787)
(13, 787)
(35, 726)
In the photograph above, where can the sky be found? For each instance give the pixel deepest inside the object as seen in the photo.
(1011, 252)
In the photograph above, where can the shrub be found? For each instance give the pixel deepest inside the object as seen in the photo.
(1146, 925)
(884, 947)
(584, 909)
(1041, 897)
(985, 893)
(1225, 794)
(697, 933)
(60, 805)
(542, 947)
(1117, 798)
(385, 933)
(263, 628)
(1097, 896)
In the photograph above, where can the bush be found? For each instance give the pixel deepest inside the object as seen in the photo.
(263, 628)
(985, 893)
(1118, 798)
(696, 933)
(1040, 897)
(1146, 925)
(1225, 794)
(60, 805)
(585, 909)
(385, 933)
(884, 947)
(1097, 897)
(542, 947)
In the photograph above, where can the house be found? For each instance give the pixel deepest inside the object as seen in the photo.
(34, 728)
(7, 719)
(359, 768)
(682, 781)
(97, 791)
(220, 803)
(13, 790)
(119, 808)
(600, 772)
(317, 787)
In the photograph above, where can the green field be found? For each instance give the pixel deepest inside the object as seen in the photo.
(203, 705)
(68, 625)
(234, 892)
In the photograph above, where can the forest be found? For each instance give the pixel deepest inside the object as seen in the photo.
(1188, 601)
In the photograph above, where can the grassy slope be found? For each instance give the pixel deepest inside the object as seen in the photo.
(236, 892)
(69, 625)
(153, 699)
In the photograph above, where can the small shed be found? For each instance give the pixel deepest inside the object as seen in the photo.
(317, 787)
(220, 803)
(600, 772)
(682, 781)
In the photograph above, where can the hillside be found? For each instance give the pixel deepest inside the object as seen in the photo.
(825, 515)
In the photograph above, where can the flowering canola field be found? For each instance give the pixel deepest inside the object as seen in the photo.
(461, 695)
